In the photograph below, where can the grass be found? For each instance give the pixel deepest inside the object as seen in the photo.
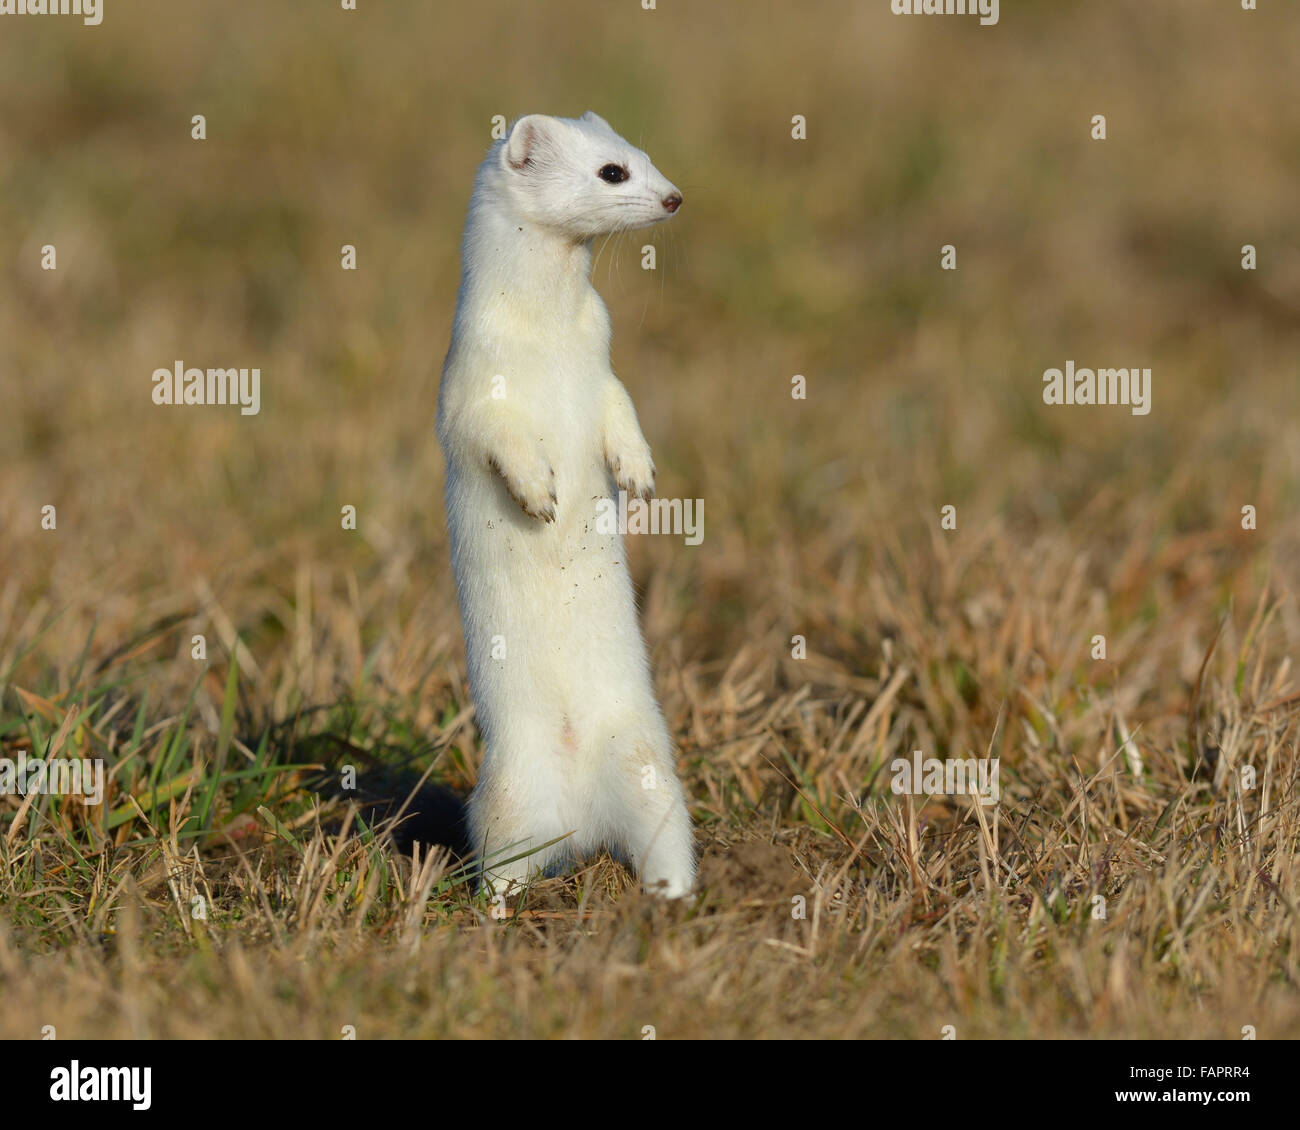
(827, 625)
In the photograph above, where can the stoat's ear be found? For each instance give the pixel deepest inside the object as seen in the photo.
(528, 134)
(596, 119)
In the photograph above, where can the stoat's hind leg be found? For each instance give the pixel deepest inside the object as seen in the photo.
(513, 811)
(644, 813)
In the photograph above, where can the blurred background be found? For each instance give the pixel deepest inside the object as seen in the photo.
(818, 257)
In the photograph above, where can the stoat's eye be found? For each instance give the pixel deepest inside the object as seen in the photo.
(613, 174)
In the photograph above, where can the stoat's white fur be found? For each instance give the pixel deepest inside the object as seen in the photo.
(536, 430)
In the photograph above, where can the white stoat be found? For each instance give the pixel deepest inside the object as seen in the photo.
(536, 431)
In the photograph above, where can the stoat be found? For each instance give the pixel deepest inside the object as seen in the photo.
(537, 431)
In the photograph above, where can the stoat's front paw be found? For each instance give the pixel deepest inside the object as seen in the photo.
(634, 471)
(530, 479)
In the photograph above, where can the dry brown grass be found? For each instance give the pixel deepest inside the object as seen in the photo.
(1121, 778)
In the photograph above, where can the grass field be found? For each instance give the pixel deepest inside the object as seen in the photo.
(1138, 877)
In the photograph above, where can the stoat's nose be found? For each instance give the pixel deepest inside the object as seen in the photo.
(673, 202)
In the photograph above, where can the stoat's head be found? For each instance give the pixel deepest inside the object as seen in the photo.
(577, 176)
